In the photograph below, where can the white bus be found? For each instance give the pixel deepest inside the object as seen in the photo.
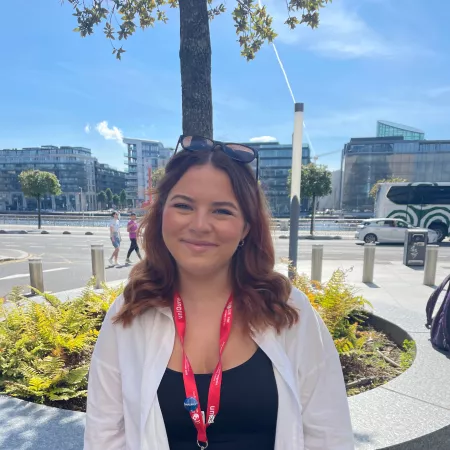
(425, 205)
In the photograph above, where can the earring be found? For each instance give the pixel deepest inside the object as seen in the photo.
(241, 243)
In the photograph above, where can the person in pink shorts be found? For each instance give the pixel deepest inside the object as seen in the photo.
(132, 232)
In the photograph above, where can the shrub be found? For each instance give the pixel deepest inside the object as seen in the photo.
(340, 307)
(408, 354)
(46, 346)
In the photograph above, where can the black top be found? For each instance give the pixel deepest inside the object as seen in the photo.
(248, 408)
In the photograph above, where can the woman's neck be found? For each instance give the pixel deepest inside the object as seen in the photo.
(206, 293)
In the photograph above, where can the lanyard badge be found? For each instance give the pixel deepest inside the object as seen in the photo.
(192, 402)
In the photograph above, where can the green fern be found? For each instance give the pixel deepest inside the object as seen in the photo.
(340, 307)
(46, 346)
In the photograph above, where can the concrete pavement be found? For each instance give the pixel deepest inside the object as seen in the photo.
(67, 258)
(412, 411)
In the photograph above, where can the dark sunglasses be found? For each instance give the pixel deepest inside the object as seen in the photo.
(238, 152)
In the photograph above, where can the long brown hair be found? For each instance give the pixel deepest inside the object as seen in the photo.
(260, 293)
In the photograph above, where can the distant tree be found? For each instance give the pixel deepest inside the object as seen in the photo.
(157, 176)
(315, 183)
(101, 197)
(109, 197)
(376, 187)
(123, 198)
(253, 25)
(37, 183)
(116, 200)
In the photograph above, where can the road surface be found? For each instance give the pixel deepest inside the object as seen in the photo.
(67, 258)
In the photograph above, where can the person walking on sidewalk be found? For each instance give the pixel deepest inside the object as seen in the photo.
(132, 232)
(114, 231)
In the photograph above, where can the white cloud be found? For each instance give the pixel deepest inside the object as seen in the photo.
(263, 139)
(113, 133)
(342, 33)
(87, 129)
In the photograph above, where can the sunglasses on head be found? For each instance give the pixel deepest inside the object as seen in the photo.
(238, 152)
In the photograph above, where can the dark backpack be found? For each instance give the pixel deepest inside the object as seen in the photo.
(440, 324)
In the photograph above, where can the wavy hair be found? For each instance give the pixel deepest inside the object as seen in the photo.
(261, 294)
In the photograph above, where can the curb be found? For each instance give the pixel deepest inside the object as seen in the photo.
(316, 237)
(13, 232)
(24, 255)
(87, 233)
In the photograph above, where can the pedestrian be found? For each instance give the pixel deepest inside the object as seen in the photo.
(209, 346)
(114, 231)
(132, 232)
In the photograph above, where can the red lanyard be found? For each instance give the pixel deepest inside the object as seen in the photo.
(190, 385)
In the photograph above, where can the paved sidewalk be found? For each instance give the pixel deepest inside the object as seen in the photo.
(413, 408)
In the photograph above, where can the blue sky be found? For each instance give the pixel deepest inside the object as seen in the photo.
(369, 60)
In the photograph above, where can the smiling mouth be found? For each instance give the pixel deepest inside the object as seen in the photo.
(199, 243)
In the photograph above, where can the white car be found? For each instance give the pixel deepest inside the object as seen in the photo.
(385, 230)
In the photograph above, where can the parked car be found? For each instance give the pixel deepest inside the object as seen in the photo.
(388, 230)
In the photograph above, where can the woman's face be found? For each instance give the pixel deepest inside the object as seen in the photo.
(116, 216)
(202, 221)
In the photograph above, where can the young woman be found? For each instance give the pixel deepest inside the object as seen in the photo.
(209, 347)
(114, 232)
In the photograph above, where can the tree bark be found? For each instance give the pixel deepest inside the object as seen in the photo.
(195, 68)
(39, 211)
(313, 214)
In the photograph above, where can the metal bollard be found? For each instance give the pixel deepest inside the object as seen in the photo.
(429, 273)
(98, 264)
(36, 275)
(369, 263)
(316, 262)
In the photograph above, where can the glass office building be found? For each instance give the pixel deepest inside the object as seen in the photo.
(74, 167)
(108, 177)
(368, 160)
(275, 161)
(389, 129)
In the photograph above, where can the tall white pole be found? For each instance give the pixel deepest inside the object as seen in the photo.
(296, 173)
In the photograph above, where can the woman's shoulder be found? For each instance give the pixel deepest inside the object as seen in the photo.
(298, 298)
(301, 303)
(310, 327)
(142, 320)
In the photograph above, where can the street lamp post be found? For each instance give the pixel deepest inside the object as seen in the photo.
(296, 172)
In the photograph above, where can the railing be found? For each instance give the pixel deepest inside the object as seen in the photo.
(322, 226)
(81, 221)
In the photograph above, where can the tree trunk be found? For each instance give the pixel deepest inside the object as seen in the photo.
(313, 214)
(195, 67)
(39, 211)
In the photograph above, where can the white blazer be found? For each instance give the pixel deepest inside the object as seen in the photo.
(128, 364)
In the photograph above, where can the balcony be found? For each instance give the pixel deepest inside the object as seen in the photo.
(132, 155)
